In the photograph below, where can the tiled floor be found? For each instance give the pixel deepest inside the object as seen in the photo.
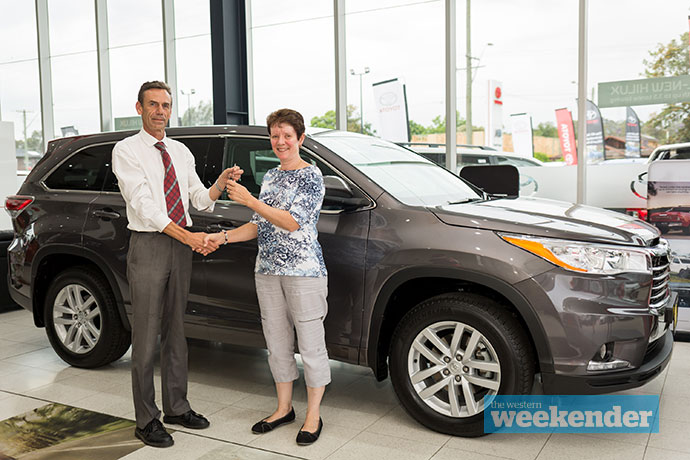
(363, 420)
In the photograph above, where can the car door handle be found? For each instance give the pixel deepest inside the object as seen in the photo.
(106, 214)
(215, 228)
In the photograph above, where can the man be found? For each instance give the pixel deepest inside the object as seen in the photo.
(157, 178)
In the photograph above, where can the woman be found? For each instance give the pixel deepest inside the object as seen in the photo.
(290, 275)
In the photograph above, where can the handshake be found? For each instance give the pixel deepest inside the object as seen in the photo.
(203, 243)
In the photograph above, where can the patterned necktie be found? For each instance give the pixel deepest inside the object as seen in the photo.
(173, 200)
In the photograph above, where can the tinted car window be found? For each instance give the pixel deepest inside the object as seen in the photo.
(110, 184)
(199, 148)
(679, 155)
(85, 170)
(256, 157)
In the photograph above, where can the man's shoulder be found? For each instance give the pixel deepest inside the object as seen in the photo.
(177, 145)
(127, 141)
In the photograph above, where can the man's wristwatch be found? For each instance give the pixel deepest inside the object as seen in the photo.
(225, 234)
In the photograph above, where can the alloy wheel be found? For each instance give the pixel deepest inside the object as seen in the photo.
(77, 318)
(453, 367)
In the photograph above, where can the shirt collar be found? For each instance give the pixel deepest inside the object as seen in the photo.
(150, 141)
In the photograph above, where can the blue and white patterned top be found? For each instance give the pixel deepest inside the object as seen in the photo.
(298, 253)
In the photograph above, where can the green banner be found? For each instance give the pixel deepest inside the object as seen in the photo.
(663, 90)
(125, 123)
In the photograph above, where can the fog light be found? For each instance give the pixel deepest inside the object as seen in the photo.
(603, 359)
(607, 365)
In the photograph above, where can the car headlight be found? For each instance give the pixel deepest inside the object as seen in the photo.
(583, 257)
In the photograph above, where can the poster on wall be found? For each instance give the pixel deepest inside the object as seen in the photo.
(596, 151)
(521, 125)
(668, 204)
(632, 133)
(495, 121)
(391, 105)
(566, 134)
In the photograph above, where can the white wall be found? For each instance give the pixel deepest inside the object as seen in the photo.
(8, 170)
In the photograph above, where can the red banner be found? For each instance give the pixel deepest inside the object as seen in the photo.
(566, 133)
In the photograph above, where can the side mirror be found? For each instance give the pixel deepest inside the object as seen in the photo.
(336, 186)
(339, 194)
(496, 180)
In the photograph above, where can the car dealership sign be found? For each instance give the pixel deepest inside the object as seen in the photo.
(663, 90)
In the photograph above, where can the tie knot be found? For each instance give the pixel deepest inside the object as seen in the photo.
(160, 146)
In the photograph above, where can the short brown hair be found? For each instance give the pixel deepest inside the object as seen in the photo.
(152, 85)
(287, 116)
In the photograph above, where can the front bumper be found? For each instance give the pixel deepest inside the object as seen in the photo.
(582, 313)
(656, 359)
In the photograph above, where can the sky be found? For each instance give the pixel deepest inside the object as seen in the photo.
(533, 52)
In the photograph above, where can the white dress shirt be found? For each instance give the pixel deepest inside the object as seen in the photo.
(138, 165)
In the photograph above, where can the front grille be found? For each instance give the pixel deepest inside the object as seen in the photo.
(661, 272)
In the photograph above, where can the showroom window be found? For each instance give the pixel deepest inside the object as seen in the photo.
(136, 51)
(293, 57)
(194, 71)
(19, 80)
(74, 66)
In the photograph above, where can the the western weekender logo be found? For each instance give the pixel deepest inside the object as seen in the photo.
(572, 414)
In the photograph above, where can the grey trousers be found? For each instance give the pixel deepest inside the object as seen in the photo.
(159, 273)
(289, 304)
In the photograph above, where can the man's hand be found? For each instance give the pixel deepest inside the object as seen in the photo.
(214, 239)
(198, 243)
(239, 194)
(230, 174)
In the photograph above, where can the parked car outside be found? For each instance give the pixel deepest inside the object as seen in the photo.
(470, 155)
(679, 151)
(667, 219)
(459, 297)
(679, 263)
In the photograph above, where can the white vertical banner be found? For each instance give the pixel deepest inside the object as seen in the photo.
(494, 127)
(391, 105)
(521, 126)
(8, 170)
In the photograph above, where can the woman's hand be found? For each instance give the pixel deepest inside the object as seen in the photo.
(214, 240)
(229, 174)
(238, 193)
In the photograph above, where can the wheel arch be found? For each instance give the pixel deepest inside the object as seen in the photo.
(402, 292)
(51, 260)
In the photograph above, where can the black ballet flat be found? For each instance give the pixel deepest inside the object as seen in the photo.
(263, 426)
(305, 438)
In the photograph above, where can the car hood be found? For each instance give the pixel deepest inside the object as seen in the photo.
(549, 218)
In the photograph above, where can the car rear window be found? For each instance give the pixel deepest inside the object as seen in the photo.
(85, 170)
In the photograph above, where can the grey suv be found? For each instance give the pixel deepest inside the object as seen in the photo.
(457, 295)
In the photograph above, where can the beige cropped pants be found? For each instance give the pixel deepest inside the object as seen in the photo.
(289, 304)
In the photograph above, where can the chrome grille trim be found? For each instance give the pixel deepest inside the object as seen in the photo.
(661, 275)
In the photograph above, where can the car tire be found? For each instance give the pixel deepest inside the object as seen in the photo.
(663, 229)
(686, 230)
(82, 320)
(442, 388)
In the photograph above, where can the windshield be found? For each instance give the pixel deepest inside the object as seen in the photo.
(408, 177)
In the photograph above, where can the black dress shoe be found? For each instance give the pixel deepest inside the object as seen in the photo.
(305, 438)
(189, 419)
(154, 434)
(263, 426)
